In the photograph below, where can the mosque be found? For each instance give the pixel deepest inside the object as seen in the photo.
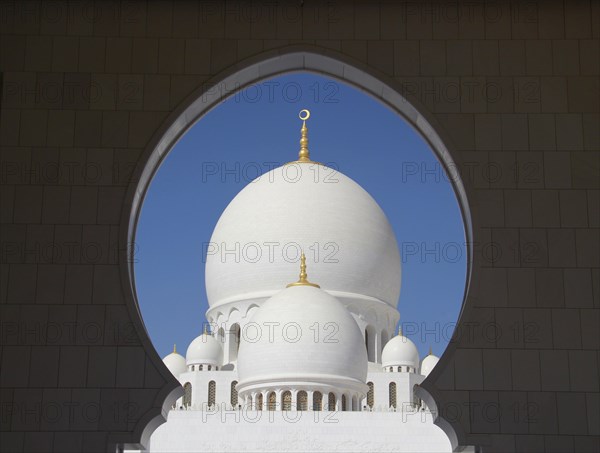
(291, 364)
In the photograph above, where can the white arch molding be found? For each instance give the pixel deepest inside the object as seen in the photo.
(303, 58)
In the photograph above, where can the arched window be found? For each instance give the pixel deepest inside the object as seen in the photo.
(399, 369)
(287, 400)
(371, 395)
(344, 403)
(249, 401)
(192, 367)
(370, 339)
(234, 341)
(234, 394)
(384, 338)
(331, 401)
(199, 367)
(317, 401)
(212, 389)
(259, 402)
(393, 395)
(302, 401)
(272, 401)
(208, 367)
(187, 394)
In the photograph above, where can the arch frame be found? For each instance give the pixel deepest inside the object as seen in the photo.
(266, 65)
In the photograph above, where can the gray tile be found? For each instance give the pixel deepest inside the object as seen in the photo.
(73, 366)
(545, 419)
(570, 403)
(525, 367)
(468, 369)
(573, 208)
(83, 205)
(28, 204)
(583, 368)
(578, 288)
(554, 370)
(557, 174)
(485, 57)
(433, 57)
(518, 208)
(565, 321)
(521, 287)
(497, 369)
(561, 248)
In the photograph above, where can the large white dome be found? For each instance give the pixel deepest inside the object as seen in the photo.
(302, 334)
(347, 239)
(400, 351)
(204, 349)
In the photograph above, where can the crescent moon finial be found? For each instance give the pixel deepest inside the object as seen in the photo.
(304, 114)
(304, 154)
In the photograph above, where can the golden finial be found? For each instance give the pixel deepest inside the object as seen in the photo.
(400, 331)
(430, 352)
(174, 348)
(205, 329)
(303, 276)
(304, 154)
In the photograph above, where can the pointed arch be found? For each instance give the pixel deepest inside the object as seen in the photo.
(260, 67)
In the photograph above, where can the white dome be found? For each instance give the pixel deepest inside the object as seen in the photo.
(175, 363)
(348, 241)
(400, 351)
(313, 338)
(204, 349)
(428, 363)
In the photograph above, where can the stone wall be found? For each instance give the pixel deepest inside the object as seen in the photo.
(89, 89)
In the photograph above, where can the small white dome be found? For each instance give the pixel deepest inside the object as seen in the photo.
(175, 362)
(302, 334)
(205, 349)
(428, 363)
(400, 351)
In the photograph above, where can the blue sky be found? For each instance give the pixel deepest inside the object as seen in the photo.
(243, 137)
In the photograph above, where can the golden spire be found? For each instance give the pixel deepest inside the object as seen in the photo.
(303, 276)
(174, 348)
(205, 329)
(400, 331)
(304, 154)
(430, 352)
